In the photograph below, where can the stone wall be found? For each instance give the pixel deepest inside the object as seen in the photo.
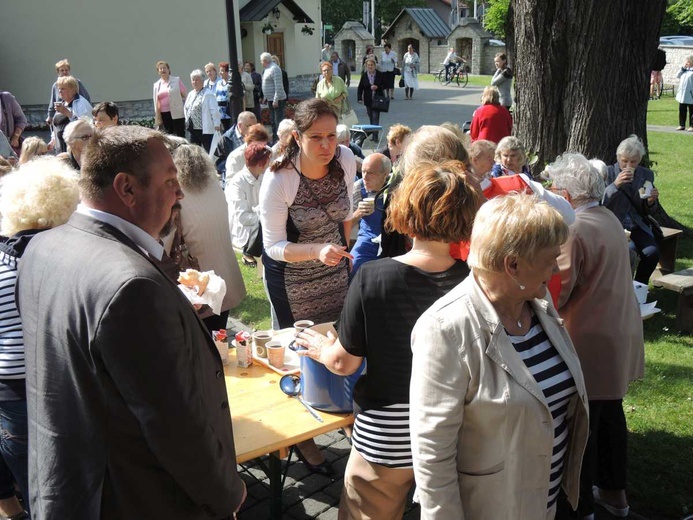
(143, 109)
(676, 56)
(488, 55)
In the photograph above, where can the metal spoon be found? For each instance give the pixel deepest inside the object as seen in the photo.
(291, 386)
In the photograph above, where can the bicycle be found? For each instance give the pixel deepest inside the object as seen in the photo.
(459, 76)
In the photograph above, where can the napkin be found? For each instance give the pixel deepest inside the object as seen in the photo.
(213, 295)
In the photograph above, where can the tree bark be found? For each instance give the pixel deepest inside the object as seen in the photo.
(582, 74)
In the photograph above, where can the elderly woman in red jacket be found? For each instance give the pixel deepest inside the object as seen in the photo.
(491, 121)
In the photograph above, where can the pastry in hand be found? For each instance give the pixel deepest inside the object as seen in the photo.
(195, 280)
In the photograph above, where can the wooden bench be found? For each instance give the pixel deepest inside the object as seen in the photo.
(681, 283)
(668, 248)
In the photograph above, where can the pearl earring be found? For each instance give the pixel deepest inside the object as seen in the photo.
(522, 287)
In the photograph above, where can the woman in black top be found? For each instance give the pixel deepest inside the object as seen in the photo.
(435, 205)
(372, 84)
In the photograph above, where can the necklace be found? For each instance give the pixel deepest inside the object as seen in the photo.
(429, 255)
(518, 321)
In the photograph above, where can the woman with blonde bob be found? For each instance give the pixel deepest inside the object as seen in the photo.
(603, 318)
(491, 121)
(40, 195)
(498, 402)
(32, 147)
(435, 205)
(71, 107)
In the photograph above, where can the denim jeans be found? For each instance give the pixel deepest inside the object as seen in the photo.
(13, 448)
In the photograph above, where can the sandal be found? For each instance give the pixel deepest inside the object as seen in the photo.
(249, 262)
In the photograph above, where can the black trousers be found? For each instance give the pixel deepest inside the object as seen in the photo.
(200, 139)
(173, 126)
(647, 249)
(374, 118)
(605, 462)
(215, 322)
(683, 107)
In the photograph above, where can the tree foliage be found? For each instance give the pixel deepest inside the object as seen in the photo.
(336, 12)
(496, 18)
(678, 18)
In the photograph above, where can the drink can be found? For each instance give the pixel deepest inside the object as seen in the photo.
(244, 349)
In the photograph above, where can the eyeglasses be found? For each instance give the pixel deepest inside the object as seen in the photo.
(83, 137)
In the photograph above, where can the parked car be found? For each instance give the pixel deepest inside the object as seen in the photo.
(676, 40)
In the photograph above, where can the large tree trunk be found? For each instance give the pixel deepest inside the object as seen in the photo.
(582, 74)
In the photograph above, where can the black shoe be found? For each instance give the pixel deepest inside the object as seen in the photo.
(324, 468)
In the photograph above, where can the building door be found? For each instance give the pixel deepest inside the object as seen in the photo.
(275, 46)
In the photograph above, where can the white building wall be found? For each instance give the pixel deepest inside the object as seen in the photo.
(113, 46)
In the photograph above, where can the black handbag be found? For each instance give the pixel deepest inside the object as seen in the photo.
(401, 82)
(397, 72)
(380, 104)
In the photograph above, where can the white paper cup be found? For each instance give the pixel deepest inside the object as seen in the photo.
(260, 339)
(301, 325)
(275, 354)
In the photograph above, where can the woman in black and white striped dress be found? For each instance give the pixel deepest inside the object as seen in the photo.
(434, 204)
(498, 401)
(42, 194)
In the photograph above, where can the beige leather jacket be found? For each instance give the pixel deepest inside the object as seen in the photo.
(481, 430)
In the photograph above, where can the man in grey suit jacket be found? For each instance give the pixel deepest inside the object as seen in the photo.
(127, 405)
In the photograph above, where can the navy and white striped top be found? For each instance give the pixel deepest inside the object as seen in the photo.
(11, 337)
(552, 375)
(381, 435)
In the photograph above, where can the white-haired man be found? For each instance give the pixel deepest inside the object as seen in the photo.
(273, 91)
(369, 213)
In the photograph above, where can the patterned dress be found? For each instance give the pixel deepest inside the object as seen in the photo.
(311, 290)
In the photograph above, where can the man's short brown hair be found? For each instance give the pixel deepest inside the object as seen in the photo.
(435, 202)
(114, 150)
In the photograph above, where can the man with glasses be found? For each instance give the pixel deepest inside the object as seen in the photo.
(232, 139)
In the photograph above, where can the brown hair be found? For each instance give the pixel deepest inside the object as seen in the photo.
(257, 154)
(256, 133)
(224, 65)
(160, 62)
(118, 149)
(435, 202)
(306, 114)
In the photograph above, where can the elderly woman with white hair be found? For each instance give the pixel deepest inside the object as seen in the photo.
(284, 132)
(630, 194)
(204, 226)
(601, 314)
(76, 135)
(511, 157)
(202, 116)
(40, 195)
(498, 411)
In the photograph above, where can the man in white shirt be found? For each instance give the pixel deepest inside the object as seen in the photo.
(450, 62)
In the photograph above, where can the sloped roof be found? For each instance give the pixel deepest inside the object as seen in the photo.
(428, 20)
(257, 10)
(358, 28)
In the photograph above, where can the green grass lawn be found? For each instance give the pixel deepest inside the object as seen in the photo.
(663, 112)
(659, 409)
